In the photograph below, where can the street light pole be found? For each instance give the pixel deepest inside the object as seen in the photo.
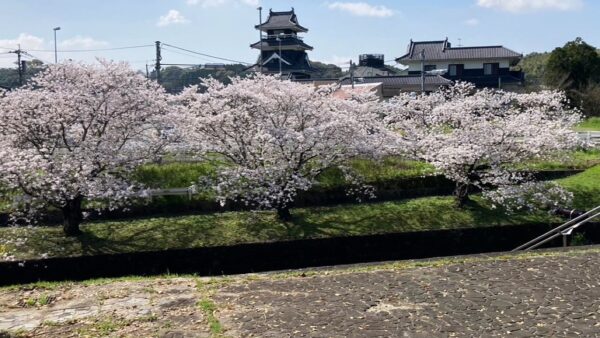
(55, 51)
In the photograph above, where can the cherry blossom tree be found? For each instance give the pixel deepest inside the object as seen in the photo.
(278, 136)
(75, 132)
(478, 138)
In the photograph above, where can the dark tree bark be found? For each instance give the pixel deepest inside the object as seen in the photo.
(284, 213)
(72, 216)
(461, 194)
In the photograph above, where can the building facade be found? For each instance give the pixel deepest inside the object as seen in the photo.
(484, 66)
(282, 51)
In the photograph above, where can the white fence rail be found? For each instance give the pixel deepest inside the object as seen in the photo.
(592, 137)
(188, 191)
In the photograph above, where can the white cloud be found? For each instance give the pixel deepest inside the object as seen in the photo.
(218, 3)
(362, 9)
(82, 42)
(519, 6)
(172, 17)
(25, 40)
(471, 22)
(340, 61)
(251, 2)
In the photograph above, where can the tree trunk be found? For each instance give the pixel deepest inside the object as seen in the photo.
(461, 194)
(284, 213)
(72, 216)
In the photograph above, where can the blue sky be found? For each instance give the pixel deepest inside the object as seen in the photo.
(338, 30)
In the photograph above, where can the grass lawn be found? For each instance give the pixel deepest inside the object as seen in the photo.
(576, 160)
(590, 124)
(250, 227)
(586, 188)
(230, 228)
(183, 174)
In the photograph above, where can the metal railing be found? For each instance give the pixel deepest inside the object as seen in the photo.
(284, 36)
(185, 191)
(564, 230)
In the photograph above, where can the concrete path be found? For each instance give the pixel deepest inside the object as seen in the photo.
(555, 295)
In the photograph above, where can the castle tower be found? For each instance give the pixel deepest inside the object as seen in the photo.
(282, 50)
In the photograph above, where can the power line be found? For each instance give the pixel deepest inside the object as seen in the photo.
(185, 54)
(35, 57)
(207, 55)
(182, 64)
(90, 50)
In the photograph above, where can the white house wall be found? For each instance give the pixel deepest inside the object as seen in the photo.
(416, 66)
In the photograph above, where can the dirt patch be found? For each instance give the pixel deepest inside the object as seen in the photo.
(149, 308)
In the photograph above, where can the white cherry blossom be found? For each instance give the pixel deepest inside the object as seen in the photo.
(75, 132)
(278, 136)
(478, 137)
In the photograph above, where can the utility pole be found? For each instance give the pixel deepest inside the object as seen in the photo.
(147, 75)
(158, 59)
(19, 64)
(423, 71)
(352, 73)
(260, 59)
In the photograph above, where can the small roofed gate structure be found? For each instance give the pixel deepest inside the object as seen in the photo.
(281, 49)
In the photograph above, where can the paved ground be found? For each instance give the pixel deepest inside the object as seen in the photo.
(556, 295)
(552, 296)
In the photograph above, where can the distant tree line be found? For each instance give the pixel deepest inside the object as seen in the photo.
(174, 78)
(574, 68)
(9, 77)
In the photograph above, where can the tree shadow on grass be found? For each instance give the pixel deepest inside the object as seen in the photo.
(152, 235)
(404, 216)
(156, 234)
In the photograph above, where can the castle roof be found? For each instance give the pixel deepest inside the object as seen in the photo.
(282, 20)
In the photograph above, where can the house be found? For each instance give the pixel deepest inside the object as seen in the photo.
(484, 66)
(281, 49)
(372, 65)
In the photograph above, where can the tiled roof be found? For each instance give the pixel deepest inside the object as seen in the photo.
(402, 80)
(286, 42)
(294, 62)
(282, 20)
(390, 85)
(442, 50)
